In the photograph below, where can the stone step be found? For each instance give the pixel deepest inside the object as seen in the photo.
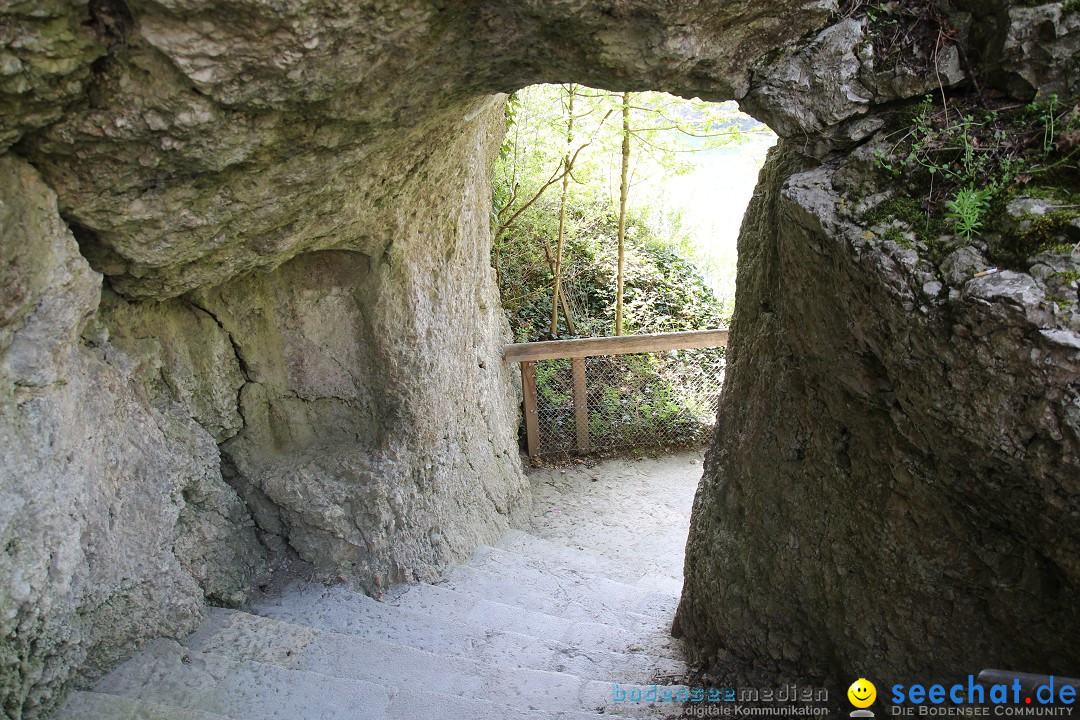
(637, 521)
(82, 705)
(444, 621)
(167, 673)
(546, 568)
(652, 552)
(666, 578)
(571, 595)
(241, 636)
(427, 706)
(494, 597)
(276, 637)
(171, 674)
(529, 545)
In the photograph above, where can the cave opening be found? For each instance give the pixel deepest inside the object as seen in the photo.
(616, 214)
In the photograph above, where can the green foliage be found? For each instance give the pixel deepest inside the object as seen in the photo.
(901, 31)
(896, 235)
(649, 396)
(633, 400)
(962, 164)
(666, 133)
(1065, 303)
(966, 210)
(961, 152)
(664, 288)
(1047, 113)
(1045, 230)
(1068, 276)
(644, 398)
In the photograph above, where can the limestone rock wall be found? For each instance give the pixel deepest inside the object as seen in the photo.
(356, 431)
(892, 488)
(375, 443)
(191, 159)
(46, 51)
(883, 450)
(115, 521)
(354, 400)
(288, 208)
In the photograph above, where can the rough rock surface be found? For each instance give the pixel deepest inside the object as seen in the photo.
(375, 445)
(192, 160)
(46, 51)
(115, 521)
(897, 456)
(822, 90)
(288, 206)
(910, 434)
(1040, 50)
(197, 151)
(184, 356)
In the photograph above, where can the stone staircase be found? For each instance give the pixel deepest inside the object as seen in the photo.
(530, 629)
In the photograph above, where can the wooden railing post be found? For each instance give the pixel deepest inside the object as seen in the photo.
(528, 393)
(581, 404)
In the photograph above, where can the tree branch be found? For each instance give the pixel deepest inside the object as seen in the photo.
(563, 170)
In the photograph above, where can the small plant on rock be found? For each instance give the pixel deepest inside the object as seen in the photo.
(963, 161)
(966, 210)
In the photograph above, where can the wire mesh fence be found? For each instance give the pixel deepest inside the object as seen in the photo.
(644, 401)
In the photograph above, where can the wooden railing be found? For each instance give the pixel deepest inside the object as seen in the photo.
(577, 350)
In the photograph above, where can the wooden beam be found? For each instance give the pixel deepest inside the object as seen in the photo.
(581, 405)
(621, 345)
(528, 393)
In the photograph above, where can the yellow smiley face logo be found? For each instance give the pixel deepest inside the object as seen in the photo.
(862, 693)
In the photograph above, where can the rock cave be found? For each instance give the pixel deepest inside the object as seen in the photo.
(247, 312)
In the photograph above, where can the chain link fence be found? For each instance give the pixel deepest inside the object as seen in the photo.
(645, 401)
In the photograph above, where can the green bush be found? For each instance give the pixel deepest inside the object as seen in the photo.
(633, 400)
(648, 400)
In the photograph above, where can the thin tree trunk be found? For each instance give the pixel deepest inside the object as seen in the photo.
(556, 294)
(624, 190)
(567, 315)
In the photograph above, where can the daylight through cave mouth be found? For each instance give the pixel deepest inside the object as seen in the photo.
(618, 213)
